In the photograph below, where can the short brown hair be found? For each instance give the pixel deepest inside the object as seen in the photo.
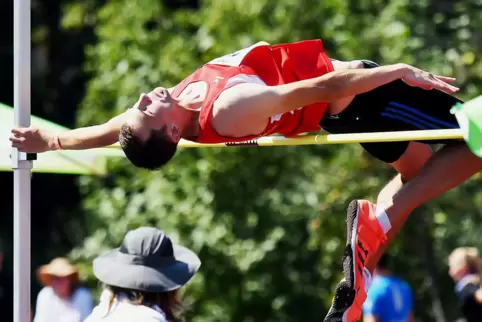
(168, 302)
(152, 154)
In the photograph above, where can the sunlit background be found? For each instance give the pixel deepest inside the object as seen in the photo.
(268, 223)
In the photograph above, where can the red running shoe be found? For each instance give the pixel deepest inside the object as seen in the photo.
(364, 237)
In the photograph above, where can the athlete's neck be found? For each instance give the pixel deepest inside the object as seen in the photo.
(192, 128)
(190, 101)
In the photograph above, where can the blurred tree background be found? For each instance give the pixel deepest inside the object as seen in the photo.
(268, 223)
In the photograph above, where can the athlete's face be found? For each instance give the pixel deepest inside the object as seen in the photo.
(154, 111)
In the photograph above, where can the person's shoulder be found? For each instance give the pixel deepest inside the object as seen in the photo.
(468, 290)
(402, 284)
(47, 291)
(125, 311)
(377, 288)
(381, 283)
(45, 295)
(82, 292)
(375, 297)
(406, 285)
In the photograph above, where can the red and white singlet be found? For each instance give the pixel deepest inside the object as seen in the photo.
(263, 64)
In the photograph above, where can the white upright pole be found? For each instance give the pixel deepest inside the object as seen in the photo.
(20, 163)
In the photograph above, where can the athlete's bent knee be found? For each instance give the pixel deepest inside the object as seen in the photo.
(412, 160)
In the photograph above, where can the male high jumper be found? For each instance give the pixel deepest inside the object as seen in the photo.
(291, 89)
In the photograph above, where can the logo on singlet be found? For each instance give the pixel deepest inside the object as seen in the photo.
(217, 79)
(235, 59)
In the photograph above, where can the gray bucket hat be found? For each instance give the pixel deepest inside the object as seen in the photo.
(147, 261)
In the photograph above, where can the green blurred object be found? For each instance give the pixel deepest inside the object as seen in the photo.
(65, 162)
(469, 116)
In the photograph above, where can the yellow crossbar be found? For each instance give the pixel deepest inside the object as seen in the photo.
(451, 134)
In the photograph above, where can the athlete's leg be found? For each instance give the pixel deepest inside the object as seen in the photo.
(448, 168)
(391, 108)
(407, 166)
(406, 158)
(413, 109)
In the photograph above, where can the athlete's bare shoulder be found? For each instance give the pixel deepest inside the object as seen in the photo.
(238, 110)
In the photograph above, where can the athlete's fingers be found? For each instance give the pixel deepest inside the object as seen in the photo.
(451, 87)
(18, 135)
(445, 78)
(18, 131)
(16, 140)
(437, 83)
(19, 146)
(445, 87)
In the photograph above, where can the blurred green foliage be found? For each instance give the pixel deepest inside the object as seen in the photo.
(269, 223)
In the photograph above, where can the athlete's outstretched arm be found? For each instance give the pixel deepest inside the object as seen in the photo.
(254, 101)
(36, 140)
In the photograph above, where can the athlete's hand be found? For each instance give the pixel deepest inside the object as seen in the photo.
(418, 78)
(32, 140)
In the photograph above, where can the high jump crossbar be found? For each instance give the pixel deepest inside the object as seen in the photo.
(429, 135)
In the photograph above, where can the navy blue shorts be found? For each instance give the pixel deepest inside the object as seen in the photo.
(394, 107)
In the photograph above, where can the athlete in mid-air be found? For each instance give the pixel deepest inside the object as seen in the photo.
(291, 89)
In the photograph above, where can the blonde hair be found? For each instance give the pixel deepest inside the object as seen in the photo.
(469, 257)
